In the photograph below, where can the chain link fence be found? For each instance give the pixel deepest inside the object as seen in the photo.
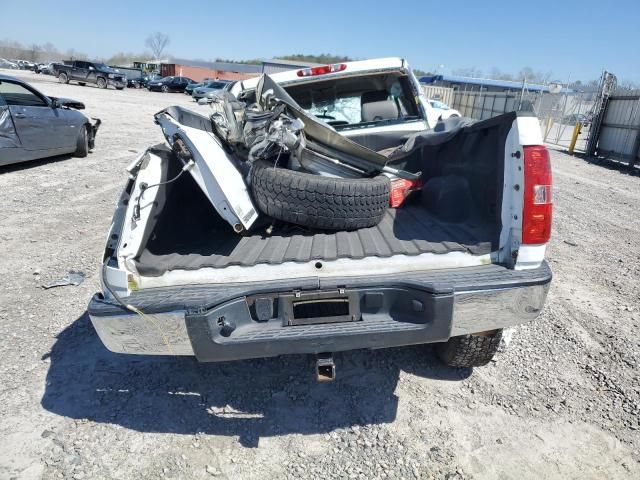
(559, 113)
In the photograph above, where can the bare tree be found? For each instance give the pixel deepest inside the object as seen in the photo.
(468, 72)
(157, 42)
(33, 53)
(50, 52)
(497, 74)
(72, 54)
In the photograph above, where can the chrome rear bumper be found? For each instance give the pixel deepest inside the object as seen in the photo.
(414, 308)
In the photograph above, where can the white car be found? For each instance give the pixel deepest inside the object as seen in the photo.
(4, 63)
(444, 110)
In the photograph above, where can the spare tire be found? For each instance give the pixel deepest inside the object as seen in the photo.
(319, 202)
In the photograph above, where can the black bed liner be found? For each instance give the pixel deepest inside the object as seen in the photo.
(411, 230)
(185, 233)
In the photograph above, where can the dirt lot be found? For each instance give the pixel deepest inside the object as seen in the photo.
(562, 402)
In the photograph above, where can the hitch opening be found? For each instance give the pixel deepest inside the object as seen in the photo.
(325, 368)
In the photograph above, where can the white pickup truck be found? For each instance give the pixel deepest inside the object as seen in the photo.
(194, 266)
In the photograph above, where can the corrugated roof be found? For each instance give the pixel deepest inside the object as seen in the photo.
(226, 66)
(488, 82)
(290, 63)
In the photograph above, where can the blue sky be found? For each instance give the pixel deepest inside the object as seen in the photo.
(573, 38)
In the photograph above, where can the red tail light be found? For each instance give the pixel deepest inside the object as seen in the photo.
(537, 211)
(400, 190)
(322, 70)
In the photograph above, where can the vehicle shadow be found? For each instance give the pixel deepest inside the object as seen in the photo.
(249, 399)
(16, 167)
(621, 166)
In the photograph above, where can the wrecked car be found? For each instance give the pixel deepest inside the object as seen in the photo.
(322, 210)
(33, 125)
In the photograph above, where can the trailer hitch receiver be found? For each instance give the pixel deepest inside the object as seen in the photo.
(325, 368)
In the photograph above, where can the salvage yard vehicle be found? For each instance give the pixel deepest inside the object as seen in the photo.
(445, 110)
(4, 63)
(133, 75)
(214, 94)
(322, 210)
(89, 72)
(44, 68)
(169, 84)
(149, 77)
(33, 125)
(188, 90)
(208, 87)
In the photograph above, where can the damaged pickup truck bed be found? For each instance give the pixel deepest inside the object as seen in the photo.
(435, 231)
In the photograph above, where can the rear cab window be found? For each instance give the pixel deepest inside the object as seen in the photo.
(357, 102)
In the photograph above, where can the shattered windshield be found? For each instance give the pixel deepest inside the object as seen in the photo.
(346, 109)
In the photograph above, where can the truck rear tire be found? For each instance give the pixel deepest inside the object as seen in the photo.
(319, 202)
(468, 351)
(62, 78)
(101, 82)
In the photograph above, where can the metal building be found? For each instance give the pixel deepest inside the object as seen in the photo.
(471, 84)
(199, 69)
(276, 65)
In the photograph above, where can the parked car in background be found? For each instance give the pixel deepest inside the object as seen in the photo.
(149, 77)
(133, 75)
(84, 72)
(443, 109)
(169, 84)
(4, 63)
(209, 87)
(191, 87)
(209, 96)
(34, 125)
(25, 64)
(44, 68)
(188, 90)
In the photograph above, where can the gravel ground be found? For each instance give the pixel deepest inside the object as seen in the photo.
(562, 402)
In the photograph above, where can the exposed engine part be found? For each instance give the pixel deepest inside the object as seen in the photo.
(283, 133)
(228, 117)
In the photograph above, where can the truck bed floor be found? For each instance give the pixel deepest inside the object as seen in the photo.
(185, 242)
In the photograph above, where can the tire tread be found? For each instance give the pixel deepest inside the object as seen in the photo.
(469, 350)
(319, 202)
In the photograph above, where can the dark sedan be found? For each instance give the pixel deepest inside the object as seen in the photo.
(34, 126)
(149, 78)
(170, 84)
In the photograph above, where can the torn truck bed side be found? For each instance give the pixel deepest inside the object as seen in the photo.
(214, 170)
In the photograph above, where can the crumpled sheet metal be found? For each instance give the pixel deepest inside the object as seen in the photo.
(8, 136)
(72, 278)
(362, 157)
